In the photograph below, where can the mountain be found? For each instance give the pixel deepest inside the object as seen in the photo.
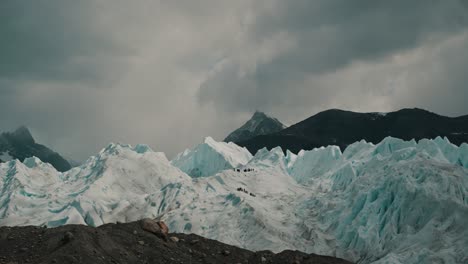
(259, 124)
(21, 145)
(392, 202)
(210, 157)
(341, 128)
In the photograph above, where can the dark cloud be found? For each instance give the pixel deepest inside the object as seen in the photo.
(81, 74)
(324, 37)
(331, 34)
(437, 79)
(85, 73)
(48, 39)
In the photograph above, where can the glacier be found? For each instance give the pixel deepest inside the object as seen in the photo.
(393, 202)
(210, 157)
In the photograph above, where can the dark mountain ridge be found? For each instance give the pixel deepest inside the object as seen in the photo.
(342, 128)
(20, 145)
(259, 124)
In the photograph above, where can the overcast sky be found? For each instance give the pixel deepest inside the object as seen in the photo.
(82, 74)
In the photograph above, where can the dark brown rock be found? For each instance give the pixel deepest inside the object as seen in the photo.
(112, 243)
(159, 228)
(68, 237)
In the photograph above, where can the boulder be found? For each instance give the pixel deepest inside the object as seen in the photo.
(159, 228)
(163, 227)
(68, 237)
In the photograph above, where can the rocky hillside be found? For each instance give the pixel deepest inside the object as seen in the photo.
(259, 124)
(130, 243)
(20, 145)
(342, 128)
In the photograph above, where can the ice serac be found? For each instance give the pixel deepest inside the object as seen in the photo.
(251, 209)
(211, 157)
(121, 183)
(400, 202)
(396, 202)
(315, 163)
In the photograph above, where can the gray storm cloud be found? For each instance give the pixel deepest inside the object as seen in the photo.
(314, 49)
(82, 74)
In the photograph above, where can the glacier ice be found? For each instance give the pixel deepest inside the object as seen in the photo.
(317, 162)
(393, 202)
(115, 185)
(211, 157)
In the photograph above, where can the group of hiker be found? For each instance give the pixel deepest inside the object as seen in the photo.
(245, 170)
(240, 189)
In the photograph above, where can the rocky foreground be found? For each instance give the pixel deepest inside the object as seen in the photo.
(146, 241)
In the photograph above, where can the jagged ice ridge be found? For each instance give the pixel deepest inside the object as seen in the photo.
(394, 202)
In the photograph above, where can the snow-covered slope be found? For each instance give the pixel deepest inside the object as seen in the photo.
(394, 202)
(211, 157)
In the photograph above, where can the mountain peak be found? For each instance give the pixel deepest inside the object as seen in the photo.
(21, 145)
(259, 124)
(23, 134)
(259, 114)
